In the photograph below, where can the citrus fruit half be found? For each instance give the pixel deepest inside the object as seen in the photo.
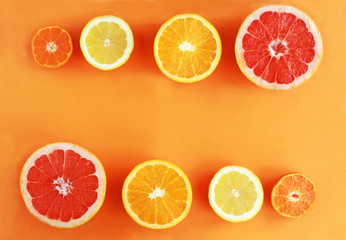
(51, 46)
(293, 195)
(106, 42)
(187, 48)
(157, 194)
(63, 185)
(278, 47)
(235, 194)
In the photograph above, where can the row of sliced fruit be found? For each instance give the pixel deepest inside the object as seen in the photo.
(277, 47)
(64, 185)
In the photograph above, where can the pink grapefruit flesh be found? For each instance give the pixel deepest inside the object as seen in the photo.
(278, 47)
(63, 185)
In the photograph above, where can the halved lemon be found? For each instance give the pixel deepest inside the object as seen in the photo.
(235, 194)
(187, 48)
(106, 42)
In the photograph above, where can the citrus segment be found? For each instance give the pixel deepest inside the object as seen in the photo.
(63, 185)
(106, 42)
(278, 47)
(293, 195)
(187, 48)
(157, 194)
(51, 46)
(235, 194)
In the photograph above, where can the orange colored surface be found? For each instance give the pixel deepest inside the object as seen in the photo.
(134, 113)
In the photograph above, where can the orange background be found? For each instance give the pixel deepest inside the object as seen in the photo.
(134, 113)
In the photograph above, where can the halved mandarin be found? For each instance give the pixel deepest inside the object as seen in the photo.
(293, 195)
(51, 46)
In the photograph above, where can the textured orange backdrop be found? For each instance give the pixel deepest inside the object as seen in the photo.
(134, 113)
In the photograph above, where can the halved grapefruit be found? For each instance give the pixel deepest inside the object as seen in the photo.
(63, 185)
(278, 47)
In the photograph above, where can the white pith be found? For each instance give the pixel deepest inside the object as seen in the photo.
(234, 193)
(292, 198)
(107, 42)
(186, 46)
(51, 47)
(92, 210)
(157, 193)
(249, 73)
(129, 38)
(272, 51)
(64, 187)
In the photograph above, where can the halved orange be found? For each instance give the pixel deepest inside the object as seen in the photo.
(157, 194)
(51, 46)
(293, 195)
(63, 185)
(187, 48)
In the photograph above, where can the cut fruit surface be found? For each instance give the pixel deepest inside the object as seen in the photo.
(63, 185)
(293, 195)
(157, 194)
(187, 48)
(278, 47)
(235, 194)
(107, 42)
(51, 46)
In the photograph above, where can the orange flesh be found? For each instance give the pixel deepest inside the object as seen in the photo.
(171, 196)
(293, 195)
(187, 48)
